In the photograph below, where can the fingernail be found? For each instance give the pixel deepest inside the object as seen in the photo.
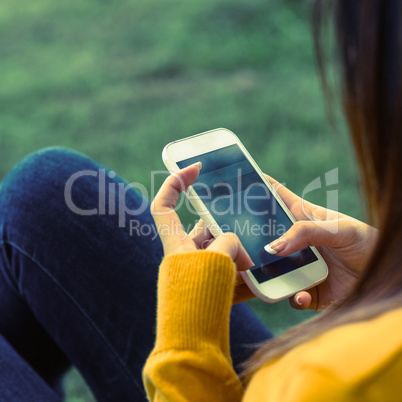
(269, 250)
(275, 246)
(206, 243)
(198, 164)
(298, 300)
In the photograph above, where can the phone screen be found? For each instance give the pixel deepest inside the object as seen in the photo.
(241, 203)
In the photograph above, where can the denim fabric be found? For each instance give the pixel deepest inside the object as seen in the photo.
(80, 289)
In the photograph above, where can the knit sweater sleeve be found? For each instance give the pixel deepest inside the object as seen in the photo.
(191, 358)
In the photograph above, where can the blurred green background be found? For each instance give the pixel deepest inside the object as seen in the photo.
(118, 80)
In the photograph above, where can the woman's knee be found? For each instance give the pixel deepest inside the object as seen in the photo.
(57, 184)
(43, 170)
(37, 183)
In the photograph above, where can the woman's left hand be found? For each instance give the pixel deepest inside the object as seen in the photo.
(175, 239)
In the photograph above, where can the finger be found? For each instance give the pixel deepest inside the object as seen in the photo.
(301, 300)
(297, 206)
(200, 234)
(229, 243)
(242, 293)
(287, 196)
(206, 243)
(281, 189)
(311, 233)
(239, 279)
(163, 206)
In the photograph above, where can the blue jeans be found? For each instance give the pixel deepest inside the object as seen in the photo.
(78, 284)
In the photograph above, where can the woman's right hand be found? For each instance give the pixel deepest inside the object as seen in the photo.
(344, 242)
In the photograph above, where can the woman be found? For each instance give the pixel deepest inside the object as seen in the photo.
(78, 285)
(353, 350)
(81, 287)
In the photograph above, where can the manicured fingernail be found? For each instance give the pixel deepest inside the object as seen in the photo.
(275, 246)
(298, 300)
(269, 250)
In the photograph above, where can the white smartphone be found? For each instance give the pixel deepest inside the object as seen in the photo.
(232, 194)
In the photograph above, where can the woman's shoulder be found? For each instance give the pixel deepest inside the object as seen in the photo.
(360, 359)
(359, 348)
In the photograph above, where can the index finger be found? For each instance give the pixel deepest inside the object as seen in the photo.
(296, 205)
(163, 206)
(288, 197)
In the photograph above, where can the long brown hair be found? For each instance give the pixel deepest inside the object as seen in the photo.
(368, 36)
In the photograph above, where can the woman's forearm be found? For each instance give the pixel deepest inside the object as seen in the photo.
(191, 359)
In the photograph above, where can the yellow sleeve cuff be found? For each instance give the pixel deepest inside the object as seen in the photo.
(195, 292)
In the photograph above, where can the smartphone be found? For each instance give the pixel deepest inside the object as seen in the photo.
(232, 194)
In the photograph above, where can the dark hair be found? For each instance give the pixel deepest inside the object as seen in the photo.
(368, 49)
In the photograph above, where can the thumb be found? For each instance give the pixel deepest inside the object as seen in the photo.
(311, 233)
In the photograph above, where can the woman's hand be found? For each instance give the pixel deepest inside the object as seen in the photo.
(344, 242)
(174, 238)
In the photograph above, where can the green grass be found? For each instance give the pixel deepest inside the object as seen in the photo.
(119, 80)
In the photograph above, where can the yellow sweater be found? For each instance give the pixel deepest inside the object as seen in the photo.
(191, 359)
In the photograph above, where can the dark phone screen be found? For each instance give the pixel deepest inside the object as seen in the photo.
(241, 203)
